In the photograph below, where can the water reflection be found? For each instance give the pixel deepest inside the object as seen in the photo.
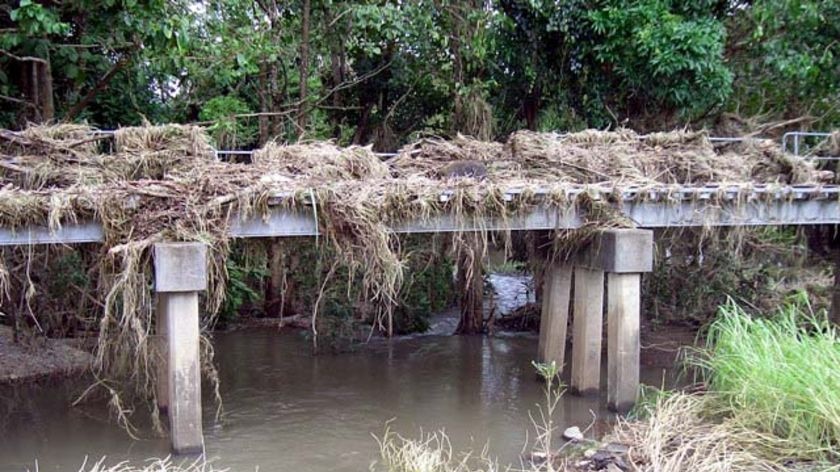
(286, 409)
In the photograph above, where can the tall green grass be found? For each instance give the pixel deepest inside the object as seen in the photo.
(777, 376)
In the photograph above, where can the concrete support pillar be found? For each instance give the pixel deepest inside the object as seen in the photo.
(623, 342)
(555, 314)
(623, 254)
(586, 330)
(180, 274)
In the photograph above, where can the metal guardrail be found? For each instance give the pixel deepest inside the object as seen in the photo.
(795, 138)
(225, 152)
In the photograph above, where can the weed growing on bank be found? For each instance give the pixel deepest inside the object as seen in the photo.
(166, 464)
(777, 376)
(429, 453)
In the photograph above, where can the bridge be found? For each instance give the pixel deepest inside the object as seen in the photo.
(617, 256)
(614, 260)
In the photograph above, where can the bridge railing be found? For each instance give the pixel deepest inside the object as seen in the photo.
(792, 142)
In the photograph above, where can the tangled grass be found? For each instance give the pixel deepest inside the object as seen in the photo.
(162, 183)
(430, 453)
(152, 465)
(676, 435)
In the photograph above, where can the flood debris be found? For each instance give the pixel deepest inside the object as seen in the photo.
(157, 183)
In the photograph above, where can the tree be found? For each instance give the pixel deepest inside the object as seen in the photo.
(786, 55)
(63, 55)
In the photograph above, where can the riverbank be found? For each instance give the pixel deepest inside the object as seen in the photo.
(39, 359)
(768, 402)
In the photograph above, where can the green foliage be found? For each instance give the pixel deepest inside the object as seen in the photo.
(428, 289)
(66, 272)
(227, 130)
(694, 273)
(242, 277)
(778, 375)
(83, 40)
(387, 72)
(548, 371)
(34, 20)
(788, 55)
(662, 55)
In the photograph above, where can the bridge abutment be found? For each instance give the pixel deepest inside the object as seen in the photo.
(180, 275)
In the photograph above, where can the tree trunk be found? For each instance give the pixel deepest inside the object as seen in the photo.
(362, 126)
(273, 307)
(263, 94)
(338, 60)
(45, 92)
(303, 117)
(101, 85)
(470, 286)
(41, 90)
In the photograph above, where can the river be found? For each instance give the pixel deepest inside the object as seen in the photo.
(287, 409)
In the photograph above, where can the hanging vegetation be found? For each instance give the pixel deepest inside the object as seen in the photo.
(163, 183)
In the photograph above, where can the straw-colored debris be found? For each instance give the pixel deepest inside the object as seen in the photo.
(615, 158)
(830, 147)
(677, 437)
(148, 184)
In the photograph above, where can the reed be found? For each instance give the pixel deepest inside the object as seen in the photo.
(429, 453)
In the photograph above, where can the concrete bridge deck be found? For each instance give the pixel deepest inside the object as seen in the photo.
(649, 207)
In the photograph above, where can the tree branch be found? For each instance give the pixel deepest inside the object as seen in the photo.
(18, 101)
(23, 58)
(100, 86)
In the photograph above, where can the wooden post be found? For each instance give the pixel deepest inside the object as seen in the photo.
(586, 330)
(623, 305)
(555, 314)
(180, 274)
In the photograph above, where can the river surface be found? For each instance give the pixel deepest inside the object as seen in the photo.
(286, 409)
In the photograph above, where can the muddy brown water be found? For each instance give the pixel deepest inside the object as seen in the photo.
(286, 409)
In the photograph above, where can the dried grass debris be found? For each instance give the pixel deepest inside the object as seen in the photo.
(676, 437)
(164, 183)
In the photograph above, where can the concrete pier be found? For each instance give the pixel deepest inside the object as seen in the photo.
(586, 330)
(555, 314)
(161, 344)
(180, 274)
(623, 299)
(619, 257)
